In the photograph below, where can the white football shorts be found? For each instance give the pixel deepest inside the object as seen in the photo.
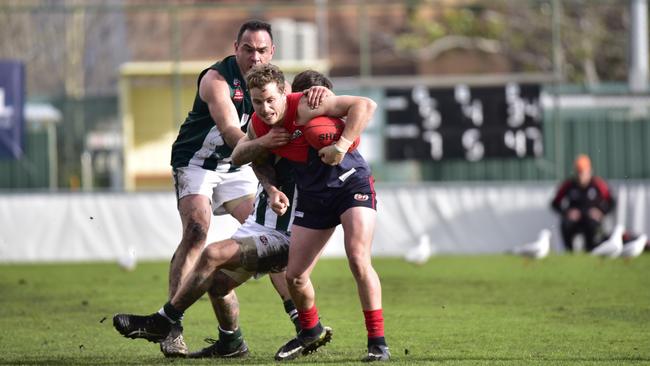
(219, 187)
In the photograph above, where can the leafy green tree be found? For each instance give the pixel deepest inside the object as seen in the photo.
(593, 43)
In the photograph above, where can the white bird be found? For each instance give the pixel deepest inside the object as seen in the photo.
(537, 249)
(634, 248)
(611, 247)
(420, 253)
(128, 261)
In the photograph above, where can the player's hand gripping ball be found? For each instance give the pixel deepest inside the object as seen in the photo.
(323, 131)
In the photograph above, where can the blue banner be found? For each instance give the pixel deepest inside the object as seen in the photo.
(12, 101)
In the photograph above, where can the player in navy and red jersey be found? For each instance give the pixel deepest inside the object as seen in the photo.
(312, 175)
(582, 202)
(334, 187)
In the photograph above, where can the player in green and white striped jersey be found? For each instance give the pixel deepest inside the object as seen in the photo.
(205, 180)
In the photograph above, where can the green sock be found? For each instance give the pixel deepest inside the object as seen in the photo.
(230, 340)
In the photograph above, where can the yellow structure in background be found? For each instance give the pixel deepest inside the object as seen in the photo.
(155, 98)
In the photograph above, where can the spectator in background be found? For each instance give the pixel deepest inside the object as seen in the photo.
(582, 202)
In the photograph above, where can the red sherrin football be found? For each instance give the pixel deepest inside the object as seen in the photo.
(323, 131)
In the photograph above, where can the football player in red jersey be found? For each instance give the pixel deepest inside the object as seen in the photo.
(334, 187)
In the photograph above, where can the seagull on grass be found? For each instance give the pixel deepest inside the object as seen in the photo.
(128, 261)
(420, 254)
(613, 246)
(537, 249)
(634, 248)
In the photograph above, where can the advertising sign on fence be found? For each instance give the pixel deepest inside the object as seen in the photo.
(12, 100)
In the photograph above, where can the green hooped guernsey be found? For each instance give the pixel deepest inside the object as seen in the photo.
(263, 213)
(199, 142)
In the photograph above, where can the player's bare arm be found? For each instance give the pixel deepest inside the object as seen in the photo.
(265, 173)
(277, 200)
(358, 112)
(250, 148)
(214, 90)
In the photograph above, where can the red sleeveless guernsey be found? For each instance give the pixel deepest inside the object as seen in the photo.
(297, 149)
(312, 175)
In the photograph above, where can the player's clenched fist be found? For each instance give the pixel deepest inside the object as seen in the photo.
(278, 202)
(330, 155)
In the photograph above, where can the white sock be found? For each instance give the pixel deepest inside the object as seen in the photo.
(227, 331)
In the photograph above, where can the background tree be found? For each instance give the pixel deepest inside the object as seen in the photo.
(593, 34)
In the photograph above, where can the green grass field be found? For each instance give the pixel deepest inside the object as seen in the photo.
(470, 310)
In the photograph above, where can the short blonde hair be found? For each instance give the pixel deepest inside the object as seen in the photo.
(262, 75)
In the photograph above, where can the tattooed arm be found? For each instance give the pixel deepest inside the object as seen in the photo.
(251, 148)
(265, 173)
(256, 150)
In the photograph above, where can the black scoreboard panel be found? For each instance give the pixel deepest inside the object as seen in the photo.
(471, 123)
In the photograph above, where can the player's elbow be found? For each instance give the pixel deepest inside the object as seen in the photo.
(370, 106)
(238, 158)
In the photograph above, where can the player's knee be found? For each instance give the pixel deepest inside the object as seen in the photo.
(359, 265)
(210, 254)
(241, 207)
(296, 281)
(195, 234)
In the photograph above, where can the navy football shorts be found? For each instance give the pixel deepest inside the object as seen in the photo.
(324, 209)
